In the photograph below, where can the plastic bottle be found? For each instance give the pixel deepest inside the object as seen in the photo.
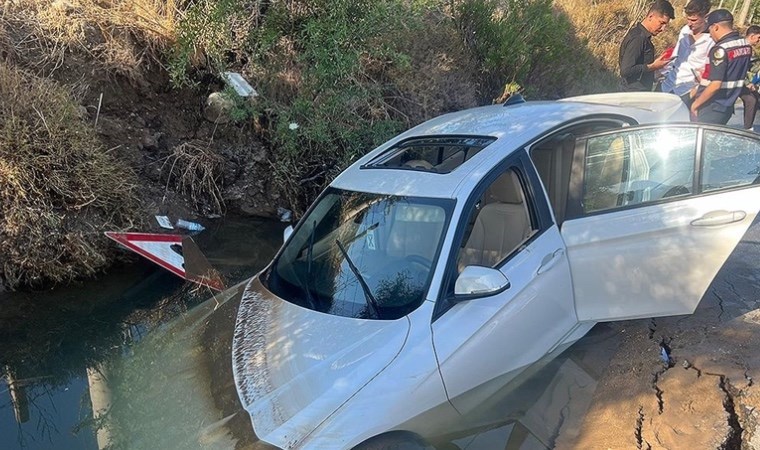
(187, 225)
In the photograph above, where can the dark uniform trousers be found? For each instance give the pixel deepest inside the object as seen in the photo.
(729, 62)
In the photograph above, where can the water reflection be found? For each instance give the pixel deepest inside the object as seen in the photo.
(127, 362)
(57, 348)
(543, 406)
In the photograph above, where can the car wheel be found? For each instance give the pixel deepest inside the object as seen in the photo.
(395, 440)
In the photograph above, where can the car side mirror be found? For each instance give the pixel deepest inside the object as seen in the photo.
(286, 233)
(479, 281)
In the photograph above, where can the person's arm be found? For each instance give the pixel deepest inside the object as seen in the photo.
(705, 96)
(630, 50)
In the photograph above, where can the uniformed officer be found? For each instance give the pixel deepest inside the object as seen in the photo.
(724, 76)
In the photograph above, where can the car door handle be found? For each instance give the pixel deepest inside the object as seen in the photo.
(550, 261)
(715, 218)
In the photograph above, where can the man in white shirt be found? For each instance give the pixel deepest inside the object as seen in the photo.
(690, 52)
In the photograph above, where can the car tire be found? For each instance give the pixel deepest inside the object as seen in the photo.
(395, 440)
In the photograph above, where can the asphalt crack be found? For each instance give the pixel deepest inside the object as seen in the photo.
(733, 289)
(652, 327)
(667, 359)
(641, 444)
(734, 438)
(658, 392)
(720, 305)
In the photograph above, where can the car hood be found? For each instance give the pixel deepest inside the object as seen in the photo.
(294, 367)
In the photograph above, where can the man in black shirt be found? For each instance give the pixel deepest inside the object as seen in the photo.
(637, 61)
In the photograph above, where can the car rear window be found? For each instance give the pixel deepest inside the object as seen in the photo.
(437, 154)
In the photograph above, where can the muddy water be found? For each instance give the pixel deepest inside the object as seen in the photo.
(138, 359)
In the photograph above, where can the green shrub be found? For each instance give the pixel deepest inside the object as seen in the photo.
(517, 41)
(340, 53)
(338, 77)
(209, 33)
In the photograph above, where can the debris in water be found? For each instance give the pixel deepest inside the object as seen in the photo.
(187, 225)
(284, 214)
(164, 222)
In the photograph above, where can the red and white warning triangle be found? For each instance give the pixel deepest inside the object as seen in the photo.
(175, 253)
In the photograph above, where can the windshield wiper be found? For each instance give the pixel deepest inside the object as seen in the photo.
(310, 249)
(371, 302)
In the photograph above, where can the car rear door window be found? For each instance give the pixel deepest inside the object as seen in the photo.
(729, 161)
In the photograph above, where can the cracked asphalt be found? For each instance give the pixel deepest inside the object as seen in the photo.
(704, 396)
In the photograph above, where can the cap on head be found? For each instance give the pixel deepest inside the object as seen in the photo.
(718, 16)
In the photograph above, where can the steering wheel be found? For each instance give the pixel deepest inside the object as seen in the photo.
(420, 260)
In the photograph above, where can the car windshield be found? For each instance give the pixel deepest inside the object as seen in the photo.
(362, 255)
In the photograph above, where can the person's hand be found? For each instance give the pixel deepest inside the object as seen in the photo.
(752, 87)
(658, 64)
(693, 113)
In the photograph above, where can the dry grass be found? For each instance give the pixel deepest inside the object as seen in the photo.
(60, 188)
(602, 24)
(196, 171)
(122, 36)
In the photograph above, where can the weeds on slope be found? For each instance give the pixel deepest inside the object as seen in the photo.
(59, 189)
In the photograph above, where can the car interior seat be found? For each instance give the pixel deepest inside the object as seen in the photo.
(603, 189)
(501, 225)
(415, 231)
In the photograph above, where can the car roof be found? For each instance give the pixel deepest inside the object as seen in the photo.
(512, 126)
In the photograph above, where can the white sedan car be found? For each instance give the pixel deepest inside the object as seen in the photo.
(446, 262)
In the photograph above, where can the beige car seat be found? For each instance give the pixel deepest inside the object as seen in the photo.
(415, 231)
(603, 189)
(501, 225)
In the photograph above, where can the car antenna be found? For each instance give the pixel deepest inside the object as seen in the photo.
(514, 99)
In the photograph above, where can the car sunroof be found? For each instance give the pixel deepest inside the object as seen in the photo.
(437, 154)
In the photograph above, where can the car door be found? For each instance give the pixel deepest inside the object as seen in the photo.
(653, 213)
(484, 341)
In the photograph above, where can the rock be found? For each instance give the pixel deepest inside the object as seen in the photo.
(218, 108)
(150, 141)
(258, 154)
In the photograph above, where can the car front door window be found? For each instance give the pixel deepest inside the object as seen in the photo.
(498, 225)
(633, 167)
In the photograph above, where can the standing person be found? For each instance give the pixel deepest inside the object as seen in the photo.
(691, 52)
(729, 63)
(749, 94)
(637, 61)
